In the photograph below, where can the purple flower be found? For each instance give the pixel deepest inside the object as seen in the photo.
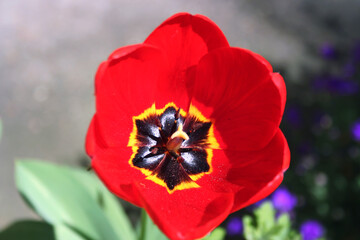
(349, 70)
(304, 148)
(336, 85)
(311, 230)
(293, 116)
(234, 226)
(355, 129)
(283, 200)
(327, 51)
(356, 52)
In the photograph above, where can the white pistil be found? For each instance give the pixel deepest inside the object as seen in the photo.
(180, 133)
(176, 139)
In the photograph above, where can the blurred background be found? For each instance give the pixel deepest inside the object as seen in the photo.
(50, 51)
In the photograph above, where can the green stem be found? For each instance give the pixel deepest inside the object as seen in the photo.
(143, 225)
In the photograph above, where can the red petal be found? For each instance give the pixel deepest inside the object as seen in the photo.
(261, 59)
(113, 168)
(238, 92)
(125, 87)
(111, 164)
(186, 214)
(216, 181)
(184, 39)
(250, 175)
(94, 138)
(258, 173)
(280, 84)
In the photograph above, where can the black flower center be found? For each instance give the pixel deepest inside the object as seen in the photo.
(171, 147)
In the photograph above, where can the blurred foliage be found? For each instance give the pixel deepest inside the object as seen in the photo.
(322, 125)
(73, 199)
(325, 156)
(75, 205)
(264, 226)
(28, 229)
(218, 234)
(147, 230)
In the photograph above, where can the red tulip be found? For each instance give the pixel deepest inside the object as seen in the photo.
(187, 127)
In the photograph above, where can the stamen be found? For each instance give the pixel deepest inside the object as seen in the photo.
(172, 154)
(180, 159)
(154, 150)
(177, 114)
(195, 127)
(158, 123)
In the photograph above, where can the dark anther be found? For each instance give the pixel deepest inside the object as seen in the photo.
(154, 138)
(197, 148)
(177, 151)
(154, 150)
(180, 159)
(174, 127)
(163, 136)
(196, 126)
(185, 149)
(191, 148)
(177, 114)
(158, 123)
(186, 123)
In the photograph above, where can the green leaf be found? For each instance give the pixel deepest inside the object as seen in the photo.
(284, 220)
(293, 235)
(277, 232)
(280, 231)
(218, 234)
(265, 215)
(59, 197)
(147, 230)
(63, 232)
(266, 227)
(108, 202)
(116, 215)
(284, 226)
(29, 230)
(38, 230)
(250, 232)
